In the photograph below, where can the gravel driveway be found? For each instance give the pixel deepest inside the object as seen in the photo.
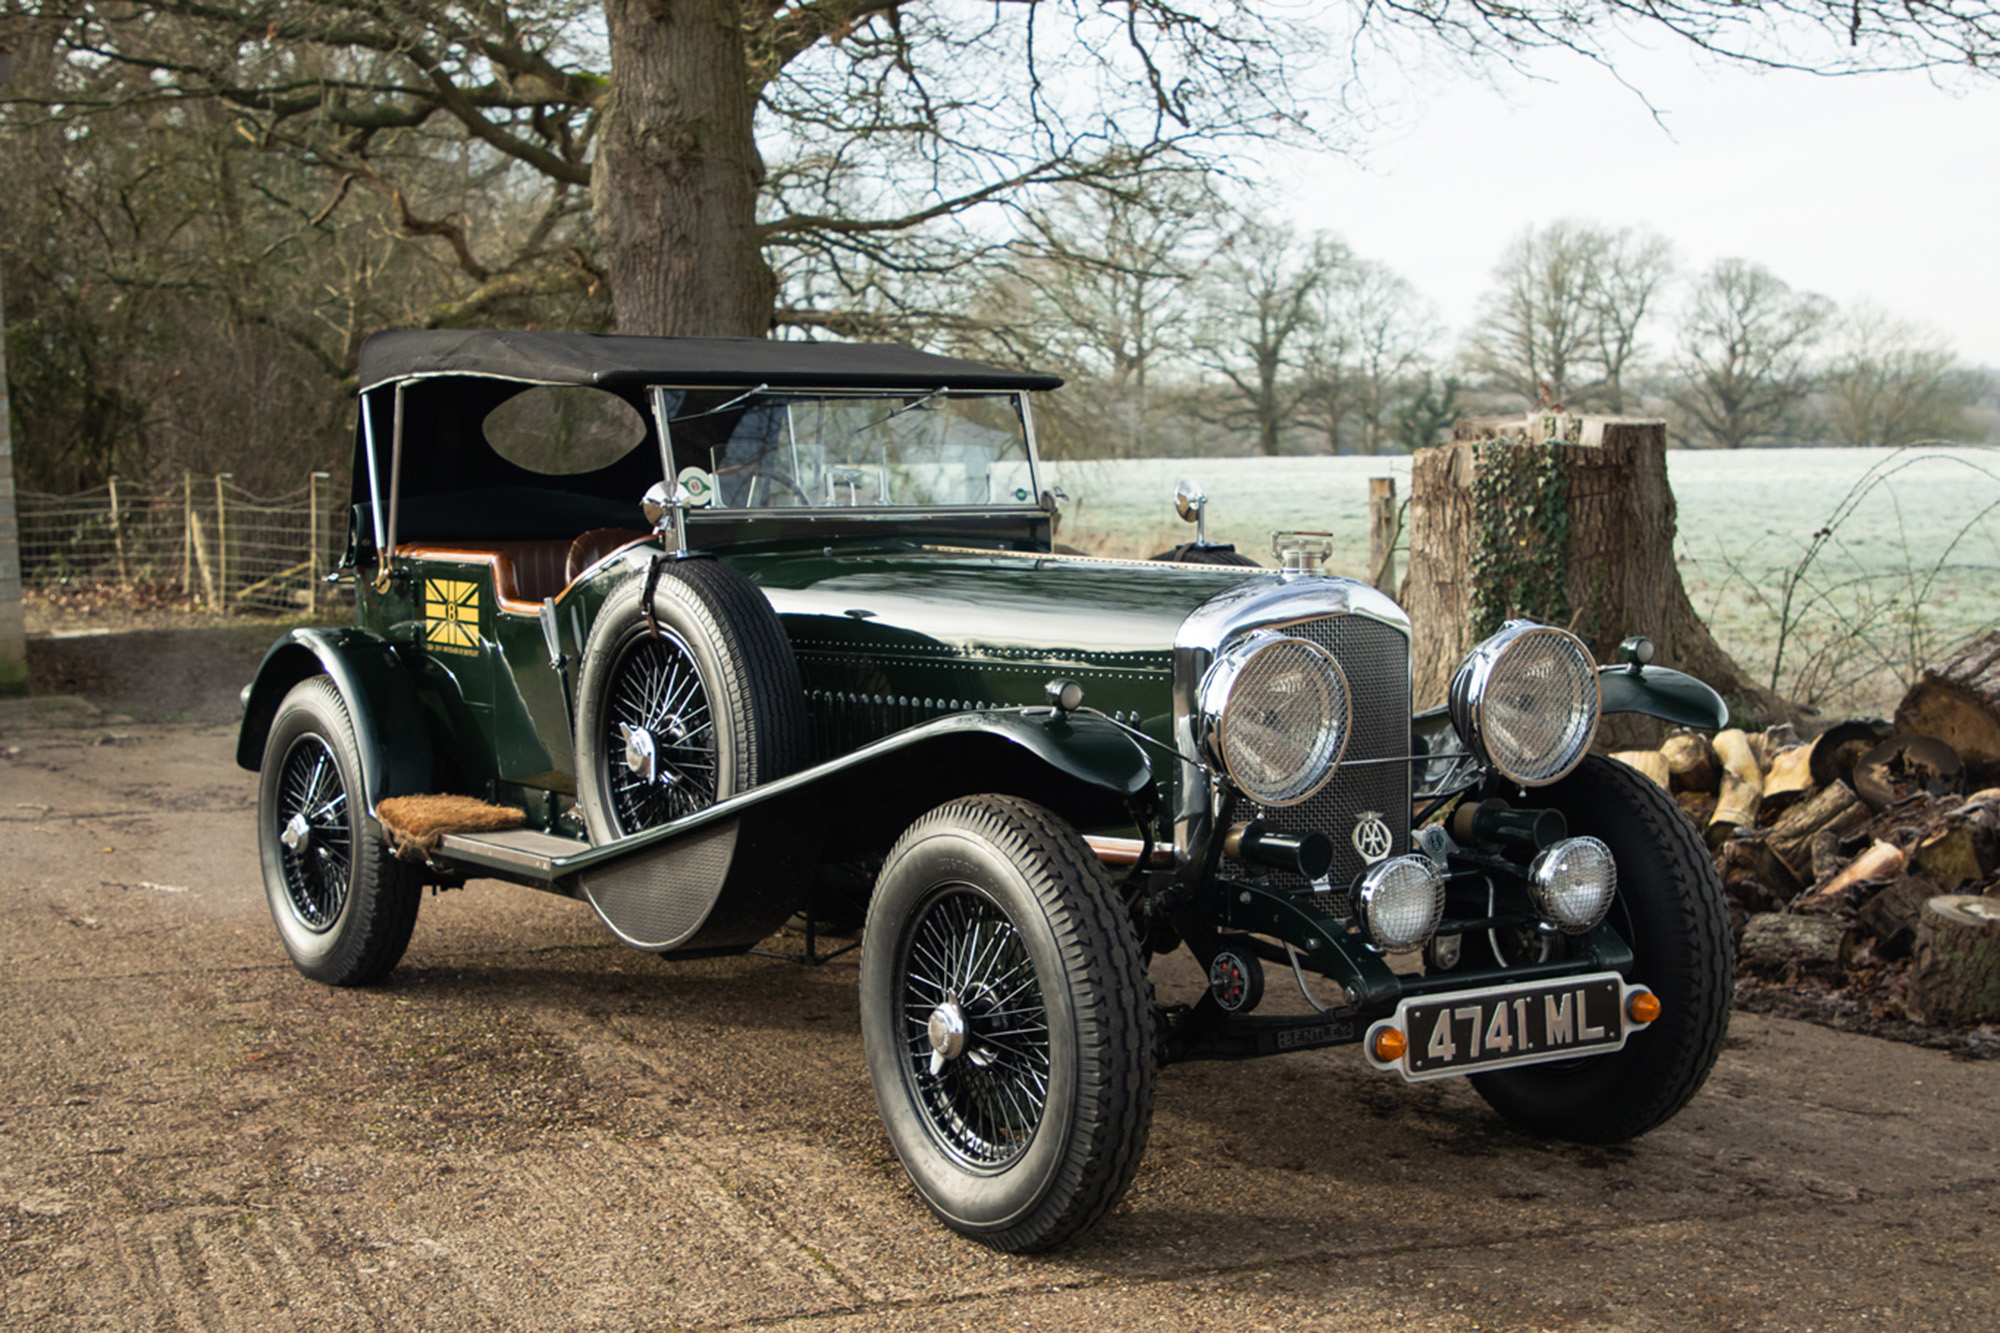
(533, 1127)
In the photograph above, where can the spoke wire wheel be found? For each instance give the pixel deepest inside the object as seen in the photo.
(714, 699)
(656, 691)
(963, 955)
(1008, 1023)
(313, 802)
(343, 905)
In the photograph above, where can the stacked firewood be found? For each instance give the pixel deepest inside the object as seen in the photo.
(1868, 857)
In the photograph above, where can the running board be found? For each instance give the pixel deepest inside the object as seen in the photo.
(513, 852)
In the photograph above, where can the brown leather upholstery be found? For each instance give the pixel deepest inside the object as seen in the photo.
(593, 546)
(529, 571)
(524, 573)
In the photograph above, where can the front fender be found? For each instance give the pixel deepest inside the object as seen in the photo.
(1084, 767)
(1662, 692)
(381, 702)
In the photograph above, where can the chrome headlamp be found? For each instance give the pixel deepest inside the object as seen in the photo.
(1274, 714)
(1400, 902)
(1572, 883)
(1527, 701)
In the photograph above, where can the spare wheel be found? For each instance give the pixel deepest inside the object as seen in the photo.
(698, 703)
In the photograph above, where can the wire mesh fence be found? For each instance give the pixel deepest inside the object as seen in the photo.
(206, 543)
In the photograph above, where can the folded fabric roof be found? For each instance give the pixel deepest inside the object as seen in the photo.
(610, 360)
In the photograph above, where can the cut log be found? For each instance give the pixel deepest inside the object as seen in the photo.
(1775, 940)
(1882, 860)
(1742, 786)
(1950, 857)
(1893, 914)
(1697, 805)
(1691, 762)
(1651, 763)
(1958, 701)
(1902, 766)
(1754, 878)
(1792, 836)
(1955, 968)
(1789, 778)
(1829, 849)
(1836, 750)
(1769, 743)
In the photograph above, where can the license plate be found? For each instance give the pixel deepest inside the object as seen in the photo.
(1499, 1027)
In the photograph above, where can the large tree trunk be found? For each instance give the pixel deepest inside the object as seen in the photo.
(678, 174)
(1616, 570)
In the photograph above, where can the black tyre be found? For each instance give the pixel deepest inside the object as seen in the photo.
(343, 904)
(670, 723)
(1008, 1023)
(1670, 909)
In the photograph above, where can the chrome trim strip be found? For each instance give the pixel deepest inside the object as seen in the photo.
(374, 476)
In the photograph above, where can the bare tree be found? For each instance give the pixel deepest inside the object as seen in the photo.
(1562, 324)
(735, 141)
(1260, 306)
(1894, 383)
(1388, 330)
(1628, 271)
(1099, 290)
(1745, 340)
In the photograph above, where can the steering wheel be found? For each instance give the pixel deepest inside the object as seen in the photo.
(752, 471)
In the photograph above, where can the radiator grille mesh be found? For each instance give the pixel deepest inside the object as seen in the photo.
(1376, 660)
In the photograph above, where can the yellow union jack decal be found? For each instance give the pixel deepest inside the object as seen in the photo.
(451, 615)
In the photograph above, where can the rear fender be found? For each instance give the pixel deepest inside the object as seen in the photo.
(381, 701)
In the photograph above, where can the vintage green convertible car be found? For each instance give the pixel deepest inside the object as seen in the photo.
(831, 646)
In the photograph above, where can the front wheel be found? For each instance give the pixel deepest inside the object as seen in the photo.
(1670, 909)
(1008, 1023)
(343, 904)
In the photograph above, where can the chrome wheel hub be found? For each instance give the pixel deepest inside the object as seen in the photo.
(297, 834)
(947, 1035)
(642, 756)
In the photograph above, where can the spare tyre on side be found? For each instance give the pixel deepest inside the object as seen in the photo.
(696, 703)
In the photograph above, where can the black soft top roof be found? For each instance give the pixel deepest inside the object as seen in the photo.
(626, 359)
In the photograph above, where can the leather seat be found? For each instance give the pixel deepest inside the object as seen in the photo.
(594, 546)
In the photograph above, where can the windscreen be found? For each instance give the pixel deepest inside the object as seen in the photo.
(787, 450)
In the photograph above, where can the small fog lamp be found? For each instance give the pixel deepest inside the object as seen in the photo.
(1402, 901)
(1066, 696)
(1572, 883)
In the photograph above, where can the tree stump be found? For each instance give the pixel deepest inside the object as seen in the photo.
(1611, 575)
(1955, 970)
(1957, 701)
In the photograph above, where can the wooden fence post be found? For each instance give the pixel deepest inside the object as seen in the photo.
(312, 553)
(1384, 526)
(187, 535)
(118, 538)
(222, 541)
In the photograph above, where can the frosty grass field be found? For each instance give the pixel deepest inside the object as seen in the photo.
(1912, 568)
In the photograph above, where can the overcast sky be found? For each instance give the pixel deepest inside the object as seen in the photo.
(1882, 189)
